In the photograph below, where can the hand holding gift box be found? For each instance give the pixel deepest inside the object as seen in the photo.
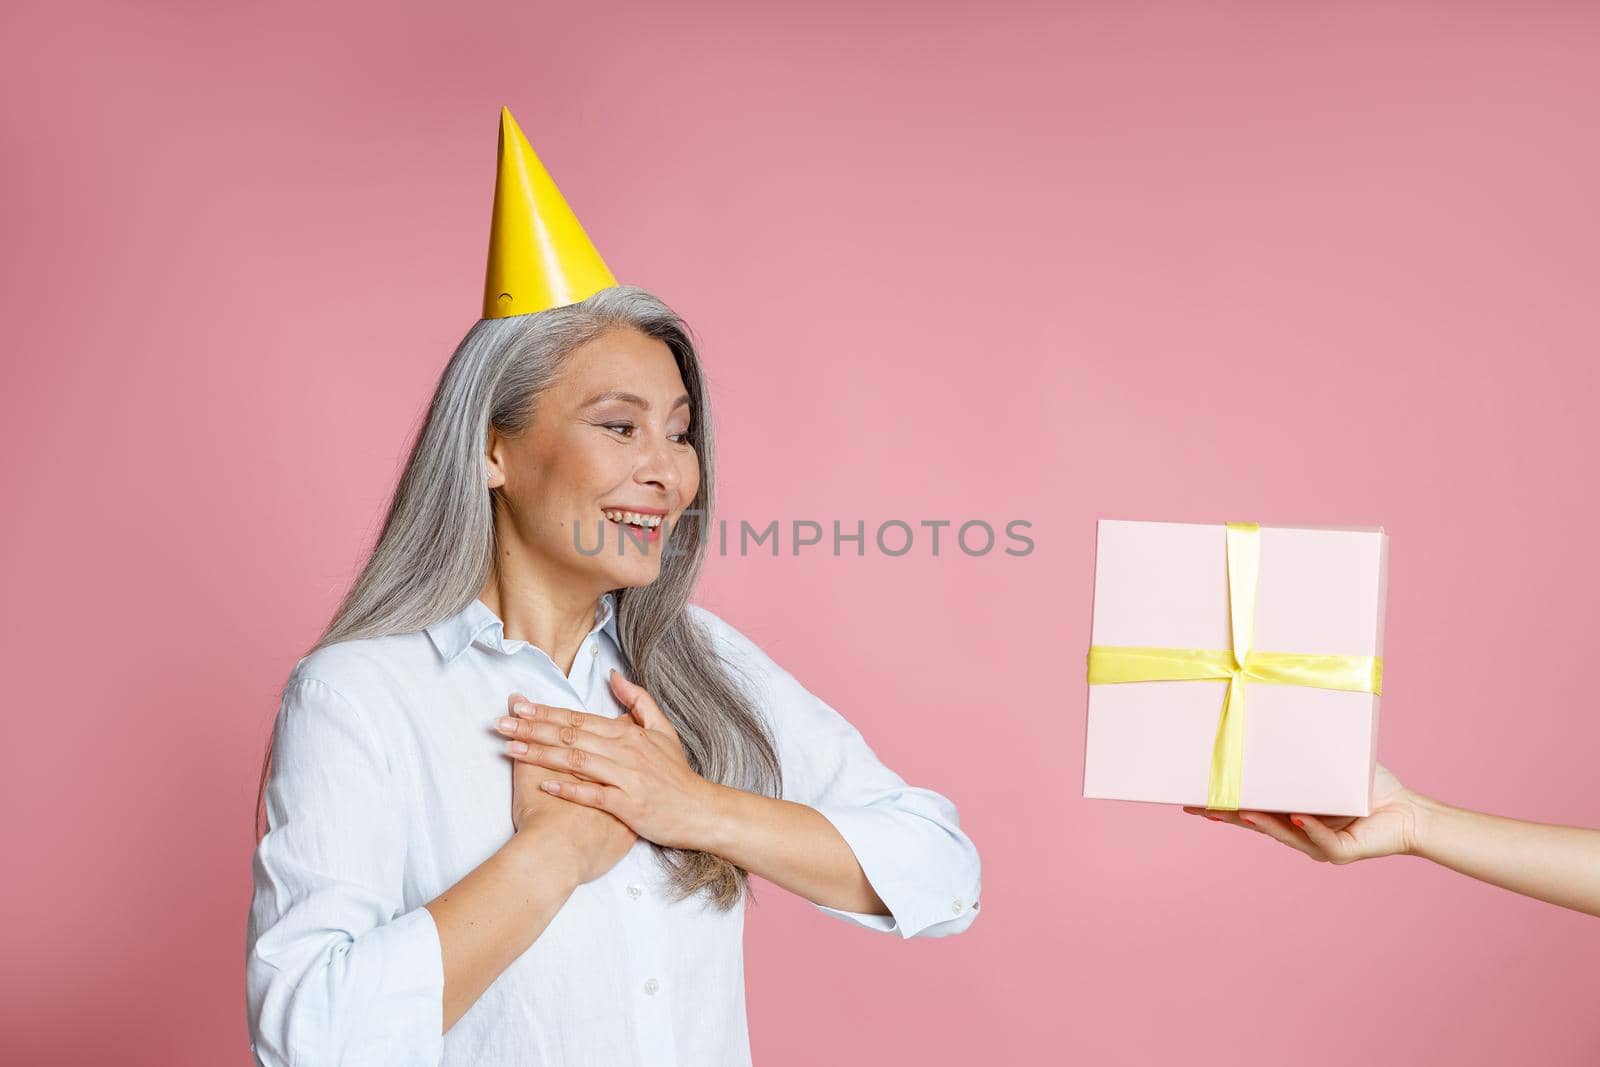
(1236, 666)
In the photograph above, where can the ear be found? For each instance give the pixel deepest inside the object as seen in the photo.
(640, 704)
(494, 460)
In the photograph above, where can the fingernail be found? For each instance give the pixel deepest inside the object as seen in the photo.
(1213, 818)
(523, 709)
(1247, 820)
(1298, 822)
(516, 747)
(508, 725)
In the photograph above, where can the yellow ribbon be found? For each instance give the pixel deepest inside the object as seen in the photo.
(1109, 664)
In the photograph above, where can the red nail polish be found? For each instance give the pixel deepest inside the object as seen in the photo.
(1248, 820)
(1299, 822)
(1213, 818)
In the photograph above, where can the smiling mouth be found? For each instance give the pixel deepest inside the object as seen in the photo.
(633, 518)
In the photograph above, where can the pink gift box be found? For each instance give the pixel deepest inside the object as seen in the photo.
(1320, 590)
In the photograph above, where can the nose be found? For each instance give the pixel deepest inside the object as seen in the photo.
(656, 465)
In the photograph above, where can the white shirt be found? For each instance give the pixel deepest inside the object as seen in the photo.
(389, 784)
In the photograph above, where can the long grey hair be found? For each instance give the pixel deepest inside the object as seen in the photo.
(437, 549)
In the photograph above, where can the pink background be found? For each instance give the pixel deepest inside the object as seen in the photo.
(1284, 263)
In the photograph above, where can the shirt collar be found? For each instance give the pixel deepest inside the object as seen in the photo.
(477, 623)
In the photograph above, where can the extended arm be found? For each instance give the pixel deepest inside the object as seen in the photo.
(1556, 864)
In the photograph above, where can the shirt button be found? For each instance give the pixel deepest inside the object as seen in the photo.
(634, 891)
(651, 985)
(594, 649)
(957, 907)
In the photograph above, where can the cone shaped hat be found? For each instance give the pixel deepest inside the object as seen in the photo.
(539, 256)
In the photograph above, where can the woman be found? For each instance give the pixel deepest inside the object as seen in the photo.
(1556, 864)
(515, 791)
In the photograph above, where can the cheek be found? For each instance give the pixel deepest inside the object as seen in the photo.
(588, 471)
(689, 478)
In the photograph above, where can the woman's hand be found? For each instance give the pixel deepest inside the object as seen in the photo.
(1391, 828)
(632, 767)
(595, 839)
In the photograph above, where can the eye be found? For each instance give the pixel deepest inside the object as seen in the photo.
(682, 438)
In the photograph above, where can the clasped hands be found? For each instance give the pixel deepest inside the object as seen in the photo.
(632, 766)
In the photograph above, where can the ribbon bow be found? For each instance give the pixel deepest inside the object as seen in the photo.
(1110, 664)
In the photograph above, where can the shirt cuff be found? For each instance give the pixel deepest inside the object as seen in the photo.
(410, 1028)
(375, 1001)
(902, 876)
(415, 970)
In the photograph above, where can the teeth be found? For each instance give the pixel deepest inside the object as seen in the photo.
(634, 518)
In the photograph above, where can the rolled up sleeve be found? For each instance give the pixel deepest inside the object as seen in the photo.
(908, 839)
(335, 972)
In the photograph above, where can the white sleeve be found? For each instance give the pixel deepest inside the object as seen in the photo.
(907, 839)
(334, 973)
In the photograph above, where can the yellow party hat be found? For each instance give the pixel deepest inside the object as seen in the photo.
(539, 256)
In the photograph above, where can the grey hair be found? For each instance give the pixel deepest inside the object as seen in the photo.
(437, 548)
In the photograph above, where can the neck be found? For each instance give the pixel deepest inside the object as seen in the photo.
(553, 619)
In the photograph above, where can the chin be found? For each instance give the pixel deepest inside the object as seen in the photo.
(641, 572)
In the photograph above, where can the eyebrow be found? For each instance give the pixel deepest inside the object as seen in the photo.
(631, 398)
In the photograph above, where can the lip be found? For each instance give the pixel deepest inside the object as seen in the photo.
(652, 533)
(636, 511)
